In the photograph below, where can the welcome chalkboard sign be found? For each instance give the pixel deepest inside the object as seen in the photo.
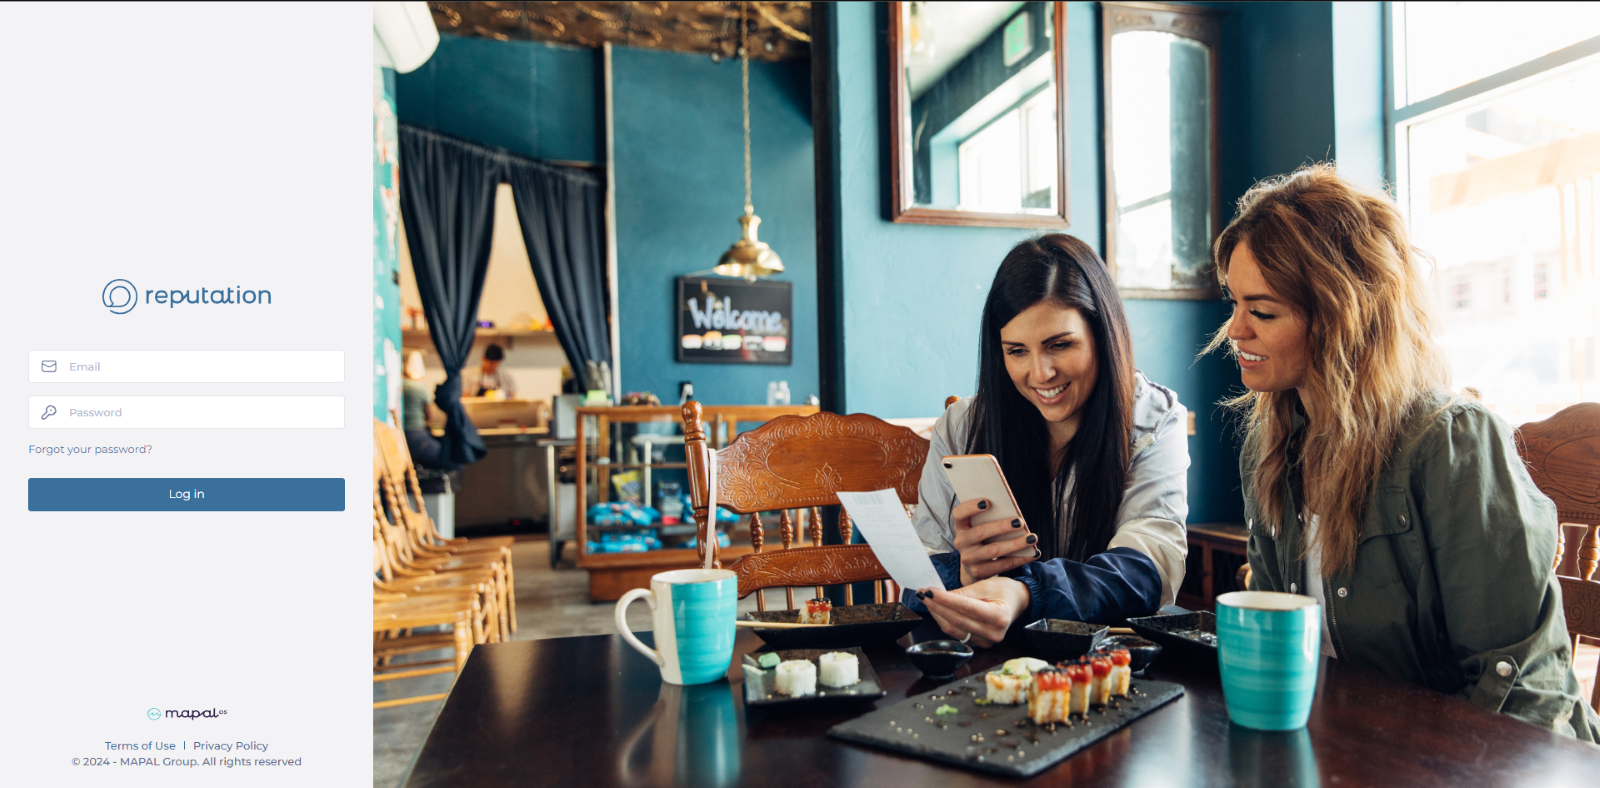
(734, 321)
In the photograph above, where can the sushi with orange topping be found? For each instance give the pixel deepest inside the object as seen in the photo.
(1100, 686)
(1079, 676)
(1049, 696)
(1121, 673)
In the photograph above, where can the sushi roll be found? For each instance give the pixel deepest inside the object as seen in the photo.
(797, 677)
(1079, 674)
(818, 611)
(1010, 684)
(1048, 698)
(1024, 666)
(1100, 685)
(1121, 674)
(1007, 689)
(839, 669)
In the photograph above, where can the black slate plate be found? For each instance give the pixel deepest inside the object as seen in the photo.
(1182, 634)
(760, 683)
(852, 625)
(904, 727)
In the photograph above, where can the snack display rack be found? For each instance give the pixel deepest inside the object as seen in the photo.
(604, 451)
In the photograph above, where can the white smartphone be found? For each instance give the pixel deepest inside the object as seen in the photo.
(975, 476)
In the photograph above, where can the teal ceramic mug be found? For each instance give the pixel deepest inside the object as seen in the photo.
(694, 612)
(1268, 647)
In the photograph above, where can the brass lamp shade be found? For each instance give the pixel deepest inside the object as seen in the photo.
(749, 256)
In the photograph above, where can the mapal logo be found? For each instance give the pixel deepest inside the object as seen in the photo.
(120, 296)
(184, 714)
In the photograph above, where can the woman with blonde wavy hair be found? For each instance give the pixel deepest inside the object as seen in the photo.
(1404, 511)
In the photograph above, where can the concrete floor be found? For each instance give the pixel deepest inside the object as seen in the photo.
(550, 604)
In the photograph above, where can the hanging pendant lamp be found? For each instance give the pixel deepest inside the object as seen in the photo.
(748, 257)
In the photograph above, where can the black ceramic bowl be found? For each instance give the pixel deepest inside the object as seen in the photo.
(1142, 651)
(1064, 639)
(939, 659)
(1189, 637)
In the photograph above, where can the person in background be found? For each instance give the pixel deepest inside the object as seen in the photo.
(1095, 454)
(417, 409)
(1404, 511)
(491, 378)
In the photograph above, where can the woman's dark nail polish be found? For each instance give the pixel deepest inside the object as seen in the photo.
(1016, 523)
(919, 594)
(930, 593)
(1037, 552)
(983, 504)
(1032, 538)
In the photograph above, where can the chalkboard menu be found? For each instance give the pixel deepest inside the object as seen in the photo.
(734, 321)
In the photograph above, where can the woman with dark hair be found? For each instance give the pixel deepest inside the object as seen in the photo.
(1095, 455)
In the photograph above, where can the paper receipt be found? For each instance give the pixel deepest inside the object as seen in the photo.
(887, 529)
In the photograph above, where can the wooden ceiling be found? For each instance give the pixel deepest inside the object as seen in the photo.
(777, 30)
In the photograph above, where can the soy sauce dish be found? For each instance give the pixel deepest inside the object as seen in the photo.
(939, 659)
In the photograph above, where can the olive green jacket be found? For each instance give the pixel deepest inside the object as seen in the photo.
(1452, 587)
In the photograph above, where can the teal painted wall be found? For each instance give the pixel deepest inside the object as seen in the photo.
(537, 100)
(679, 177)
(385, 264)
(680, 191)
(912, 295)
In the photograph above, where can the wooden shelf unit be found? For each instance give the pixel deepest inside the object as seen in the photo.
(613, 574)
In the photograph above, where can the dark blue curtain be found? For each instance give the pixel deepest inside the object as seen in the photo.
(447, 199)
(561, 214)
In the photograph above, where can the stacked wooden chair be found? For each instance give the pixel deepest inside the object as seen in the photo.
(794, 465)
(422, 580)
(1563, 457)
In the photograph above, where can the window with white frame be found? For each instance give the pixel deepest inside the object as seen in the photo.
(1497, 155)
(1010, 164)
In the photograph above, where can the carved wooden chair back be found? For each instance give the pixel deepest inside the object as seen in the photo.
(1563, 457)
(799, 464)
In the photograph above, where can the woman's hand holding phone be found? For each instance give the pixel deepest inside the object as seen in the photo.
(981, 561)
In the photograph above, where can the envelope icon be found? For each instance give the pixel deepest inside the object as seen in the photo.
(47, 366)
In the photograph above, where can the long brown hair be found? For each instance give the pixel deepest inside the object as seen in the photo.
(1341, 256)
(1062, 270)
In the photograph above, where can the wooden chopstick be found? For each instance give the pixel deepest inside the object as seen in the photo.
(776, 625)
(1120, 631)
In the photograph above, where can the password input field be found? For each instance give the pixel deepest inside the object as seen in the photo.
(186, 366)
(160, 413)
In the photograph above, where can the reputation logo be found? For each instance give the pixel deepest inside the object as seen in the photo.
(120, 296)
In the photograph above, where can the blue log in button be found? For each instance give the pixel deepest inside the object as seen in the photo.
(186, 495)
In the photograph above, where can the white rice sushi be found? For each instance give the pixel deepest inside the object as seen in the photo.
(1009, 685)
(797, 677)
(1048, 698)
(839, 669)
(1100, 689)
(1081, 676)
(1006, 689)
(817, 611)
(1121, 672)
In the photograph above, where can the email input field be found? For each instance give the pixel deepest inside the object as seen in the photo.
(117, 412)
(186, 366)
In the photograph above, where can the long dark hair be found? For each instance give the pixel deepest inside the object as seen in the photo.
(1064, 271)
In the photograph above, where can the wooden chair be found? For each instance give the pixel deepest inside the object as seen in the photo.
(1581, 600)
(799, 463)
(1563, 457)
(394, 616)
(400, 494)
(409, 561)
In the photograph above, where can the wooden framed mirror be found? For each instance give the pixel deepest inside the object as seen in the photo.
(977, 121)
(1161, 197)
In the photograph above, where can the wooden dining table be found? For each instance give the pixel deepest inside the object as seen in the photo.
(590, 711)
